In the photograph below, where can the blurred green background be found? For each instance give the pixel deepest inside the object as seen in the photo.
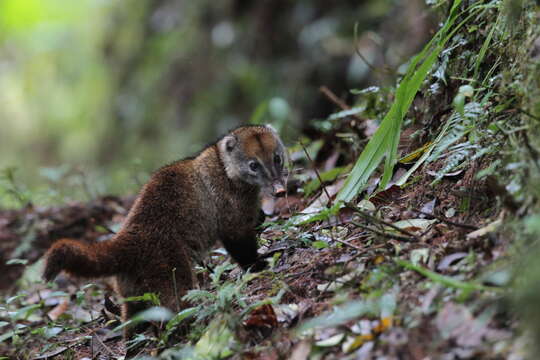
(95, 94)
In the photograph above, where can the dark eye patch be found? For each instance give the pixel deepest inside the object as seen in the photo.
(277, 159)
(254, 165)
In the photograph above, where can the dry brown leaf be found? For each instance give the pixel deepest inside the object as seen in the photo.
(301, 351)
(58, 310)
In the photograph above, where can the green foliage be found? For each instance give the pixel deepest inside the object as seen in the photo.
(326, 176)
(154, 313)
(147, 297)
(219, 305)
(11, 191)
(385, 140)
(382, 306)
(464, 286)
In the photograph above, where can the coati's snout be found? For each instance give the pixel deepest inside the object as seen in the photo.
(279, 189)
(257, 156)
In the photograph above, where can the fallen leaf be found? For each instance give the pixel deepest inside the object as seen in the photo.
(457, 322)
(331, 341)
(320, 203)
(491, 227)
(58, 310)
(354, 343)
(429, 207)
(450, 174)
(301, 351)
(262, 317)
(419, 256)
(386, 196)
(411, 157)
(366, 205)
(52, 353)
(340, 281)
(447, 261)
(413, 224)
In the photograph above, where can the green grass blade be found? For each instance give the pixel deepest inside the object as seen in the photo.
(447, 280)
(385, 140)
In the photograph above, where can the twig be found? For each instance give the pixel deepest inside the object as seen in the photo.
(317, 173)
(298, 273)
(361, 250)
(271, 252)
(532, 151)
(376, 220)
(441, 219)
(96, 336)
(41, 302)
(332, 97)
(528, 114)
(384, 234)
(358, 50)
(175, 289)
(350, 245)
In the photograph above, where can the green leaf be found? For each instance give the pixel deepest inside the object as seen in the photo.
(181, 316)
(319, 244)
(329, 175)
(340, 315)
(7, 335)
(446, 280)
(149, 297)
(17, 262)
(385, 140)
(260, 111)
(25, 312)
(155, 313)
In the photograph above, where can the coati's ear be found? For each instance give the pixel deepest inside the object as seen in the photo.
(230, 142)
(272, 128)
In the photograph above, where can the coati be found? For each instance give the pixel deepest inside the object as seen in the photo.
(178, 216)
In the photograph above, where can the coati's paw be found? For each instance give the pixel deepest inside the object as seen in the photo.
(257, 266)
(53, 263)
(51, 270)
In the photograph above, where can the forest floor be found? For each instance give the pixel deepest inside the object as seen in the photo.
(421, 288)
(418, 269)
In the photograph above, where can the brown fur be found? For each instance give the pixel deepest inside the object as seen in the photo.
(178, 216)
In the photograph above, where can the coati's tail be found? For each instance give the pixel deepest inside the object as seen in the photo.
(82, 259)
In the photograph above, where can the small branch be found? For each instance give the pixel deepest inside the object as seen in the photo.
(441, 219)
(350, 245)
(317, 173)
(333, 98)
(103, 345)
(528, 114)
(298, 273)
(271, 252)
(373, 68)
(376, 220)
(175, 290)
(384, 234)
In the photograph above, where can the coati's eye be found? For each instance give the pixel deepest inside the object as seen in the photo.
(277, 159)
(254, 166)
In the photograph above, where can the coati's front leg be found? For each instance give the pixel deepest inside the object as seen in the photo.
(243, 249)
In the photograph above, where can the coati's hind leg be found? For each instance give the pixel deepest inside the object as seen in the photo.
(129, 310)
(127, 286)
(168, 289)
(178, 283)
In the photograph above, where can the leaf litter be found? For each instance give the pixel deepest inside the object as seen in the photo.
(396, 272)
